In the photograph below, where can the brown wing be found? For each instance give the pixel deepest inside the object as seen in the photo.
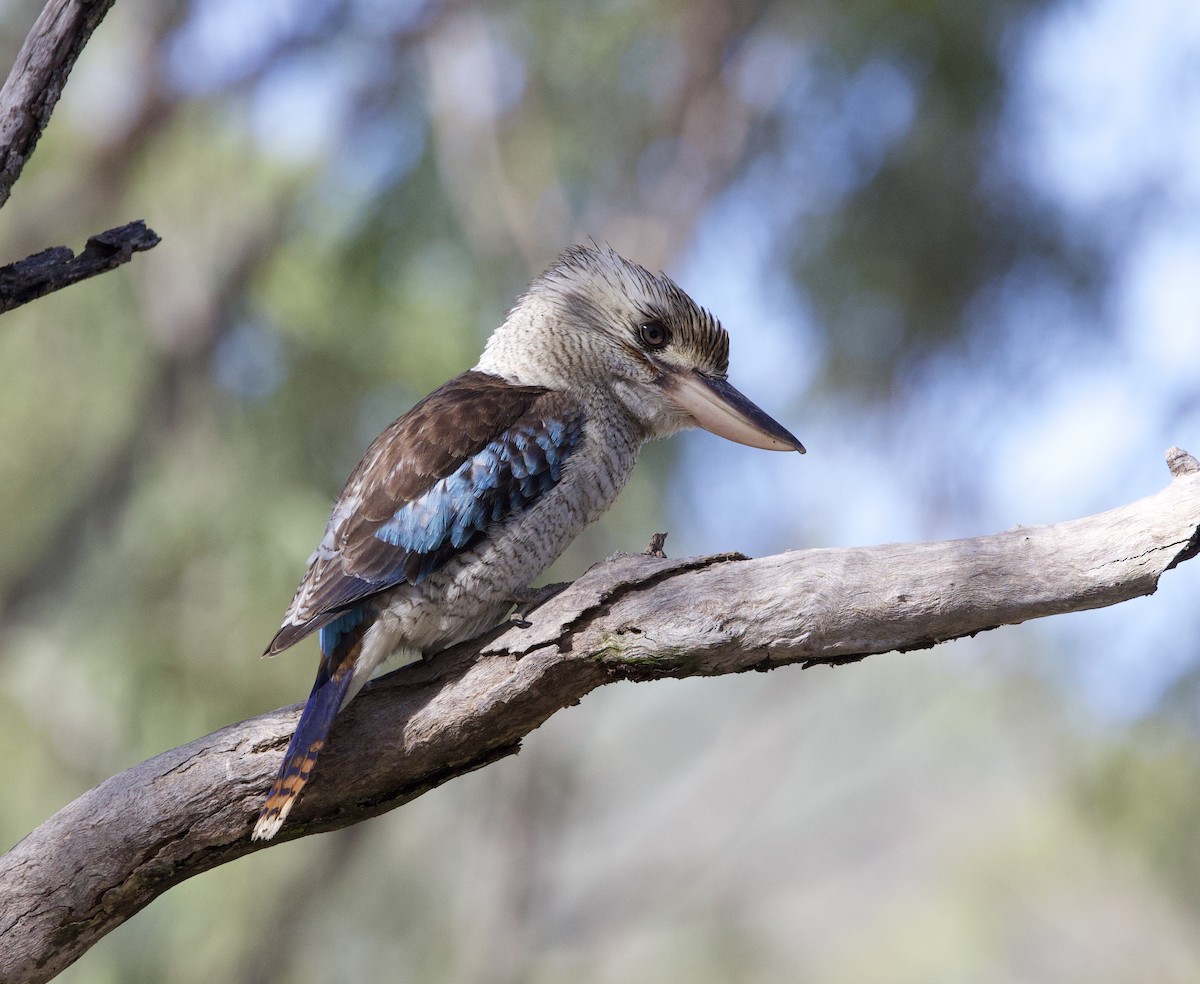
(470, 453)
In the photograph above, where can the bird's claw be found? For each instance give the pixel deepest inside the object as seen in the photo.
(655, 547)
(526, 600)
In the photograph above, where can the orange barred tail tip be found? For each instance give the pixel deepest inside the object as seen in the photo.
(331, 688)
(305, 746)
(286, 790)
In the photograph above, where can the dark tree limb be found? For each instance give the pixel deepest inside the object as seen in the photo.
(57, 267)
(37, 79)
(637, 617)
(27, 99)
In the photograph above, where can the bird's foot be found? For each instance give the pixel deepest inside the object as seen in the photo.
(527, 599)
(653, 549)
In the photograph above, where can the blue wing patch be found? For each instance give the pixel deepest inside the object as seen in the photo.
(332, 632)
(503, 478)
(475, 451)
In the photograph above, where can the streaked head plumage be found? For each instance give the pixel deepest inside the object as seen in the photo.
(590, 305)
(598, 324)
(603, 290)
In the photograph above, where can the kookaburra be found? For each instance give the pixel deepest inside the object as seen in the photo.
(464, 500)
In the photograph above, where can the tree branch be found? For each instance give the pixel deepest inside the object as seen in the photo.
(57, 267)
(37, 79)
(27, 99)
(103, 857)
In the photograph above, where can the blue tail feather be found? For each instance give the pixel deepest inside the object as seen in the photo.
(336, 672)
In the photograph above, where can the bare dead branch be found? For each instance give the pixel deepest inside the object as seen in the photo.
(57, 267)
(638, 617)
(27, 99)
(37, 79)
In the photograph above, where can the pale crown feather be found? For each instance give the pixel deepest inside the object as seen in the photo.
(576, 329)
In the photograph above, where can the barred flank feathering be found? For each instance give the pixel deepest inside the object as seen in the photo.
(469, 496)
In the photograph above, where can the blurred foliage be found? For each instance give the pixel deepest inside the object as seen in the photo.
(350, 192)
(1144, 796)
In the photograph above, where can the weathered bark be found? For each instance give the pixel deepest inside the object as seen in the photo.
(57, 267)
(103, 857)
(27, 99)
(37, 78)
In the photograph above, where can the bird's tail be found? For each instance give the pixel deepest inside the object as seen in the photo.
(328, 694)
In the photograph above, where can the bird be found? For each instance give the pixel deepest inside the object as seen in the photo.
(465, 499)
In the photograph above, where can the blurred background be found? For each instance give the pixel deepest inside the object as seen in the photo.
(957, 248)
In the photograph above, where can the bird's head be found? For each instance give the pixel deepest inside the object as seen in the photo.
(594, 322)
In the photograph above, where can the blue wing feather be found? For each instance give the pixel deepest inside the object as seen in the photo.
(333, 632)
(470, 455)
(506, 476)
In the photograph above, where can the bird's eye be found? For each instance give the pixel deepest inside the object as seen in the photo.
(654, 334)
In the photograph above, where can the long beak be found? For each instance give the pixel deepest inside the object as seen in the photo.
(722, 410)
